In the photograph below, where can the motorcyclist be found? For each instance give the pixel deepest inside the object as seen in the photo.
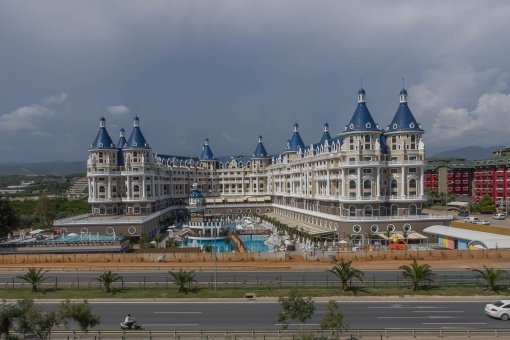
(129, 321)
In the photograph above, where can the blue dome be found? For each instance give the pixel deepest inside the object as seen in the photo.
(404, 119)
(361, 120)
(206, 154)
(325, 135)
(102, 140)
(295, 141)
(361, 91)
(260, 151)
(196, 194)
(136, 139)
(122, 140)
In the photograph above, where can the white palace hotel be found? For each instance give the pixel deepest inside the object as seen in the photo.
(365, 179)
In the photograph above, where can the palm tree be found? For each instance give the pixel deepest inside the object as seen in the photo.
(107, 278)
(35, 277)
(345, 272)
(491, 276)
(417, 273)
(183, 278)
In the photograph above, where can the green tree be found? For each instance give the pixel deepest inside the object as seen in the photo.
(207, 248)
(45, 210)
(295, 308)
(490, 276)
(8, 218)
(346, 273)
(81, 313)
(107, 278)
(35, 277)
(8, 314)
(31, 319)
(486, 205)
(417, 274)
(183, 279)
(144, 240)
(334, 319)
(171, 243)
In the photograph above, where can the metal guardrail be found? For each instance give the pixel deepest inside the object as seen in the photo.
(406, 333)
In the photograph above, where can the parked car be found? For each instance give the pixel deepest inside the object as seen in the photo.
(463, 213)
(499, 309)
(483, 222)
(499, 216)
(471, 219)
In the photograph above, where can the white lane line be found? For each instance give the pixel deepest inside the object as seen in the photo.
(177, 312)
(454, 323)
(438, 311)
(402, 307)
(419, 317)
(170, 324)
(298, 324)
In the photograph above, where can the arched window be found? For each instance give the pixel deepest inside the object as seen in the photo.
(394, 210)
(367, 142)
(352, 210)
(394, 186)
(136, 188)
(412, 183)
(101, 189)
(102, 209)
(413, 142)
(352, 184)
(367, 184)
(413, 210)
(368, 210)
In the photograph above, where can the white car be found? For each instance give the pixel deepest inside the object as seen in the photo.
(499, 309)
(483, 222)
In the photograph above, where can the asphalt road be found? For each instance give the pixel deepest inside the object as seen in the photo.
(236, 278)
(213, 315)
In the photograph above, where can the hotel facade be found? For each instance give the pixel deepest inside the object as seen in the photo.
(365, 179)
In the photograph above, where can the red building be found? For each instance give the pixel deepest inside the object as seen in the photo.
(460, 178)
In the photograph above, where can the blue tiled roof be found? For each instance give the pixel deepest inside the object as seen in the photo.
(136, 139)
(122, 140)
(382, 142)
(196, 194)
(102, 140)
(260, 151)
(206, 154)
(295, 141)
(238, 159)
(325, 136)
(404, 119)
(361, 119)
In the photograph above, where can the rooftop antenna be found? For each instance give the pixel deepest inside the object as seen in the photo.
(403, 83)
(361, 81)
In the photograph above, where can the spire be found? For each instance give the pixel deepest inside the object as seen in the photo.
(122, 139)
(260, 151)
(361, 119)
(206, 154)
(136, 139)
(102, 140)
(295, 141)
(404, 119)
(325, 135)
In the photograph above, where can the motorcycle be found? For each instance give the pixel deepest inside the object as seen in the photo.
(133, 325)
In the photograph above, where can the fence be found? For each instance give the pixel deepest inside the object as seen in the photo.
(401, 333)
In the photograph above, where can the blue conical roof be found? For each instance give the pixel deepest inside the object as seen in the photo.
(136, 139)
(295, 141)
(404, 119)
(206, 154)
(122, 139)
(260, 151)
(325, 135)
(102, 140)
(361, 119)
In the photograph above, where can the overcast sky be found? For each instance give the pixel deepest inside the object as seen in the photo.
(229, 70)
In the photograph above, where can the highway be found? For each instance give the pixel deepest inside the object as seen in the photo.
(237, 278)
(232, 315)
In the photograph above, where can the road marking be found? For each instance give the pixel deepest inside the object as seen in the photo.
(454, 323)
(438, 311)
(177, 312)
(298, 324)
(401, 307)
(419, 317)
(170, 324)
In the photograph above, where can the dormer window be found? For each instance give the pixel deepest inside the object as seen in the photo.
(395, 126)
(351, 126)
(368, 125)
(411, 125)
(134, 144)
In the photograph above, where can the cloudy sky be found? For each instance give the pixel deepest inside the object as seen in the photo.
(229, 70)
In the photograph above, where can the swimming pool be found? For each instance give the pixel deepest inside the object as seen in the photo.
(85, 237)
(255, 243)
(218, 246)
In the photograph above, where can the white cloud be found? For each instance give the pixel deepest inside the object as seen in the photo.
(23, 118)
(226, 136)
(117, 110)
(55, 99)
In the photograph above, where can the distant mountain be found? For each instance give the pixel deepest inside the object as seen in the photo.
(468, 152)
(48, 168)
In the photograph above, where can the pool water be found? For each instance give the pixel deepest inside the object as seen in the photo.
(86, 237)
(218, 246)
(255, 243)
